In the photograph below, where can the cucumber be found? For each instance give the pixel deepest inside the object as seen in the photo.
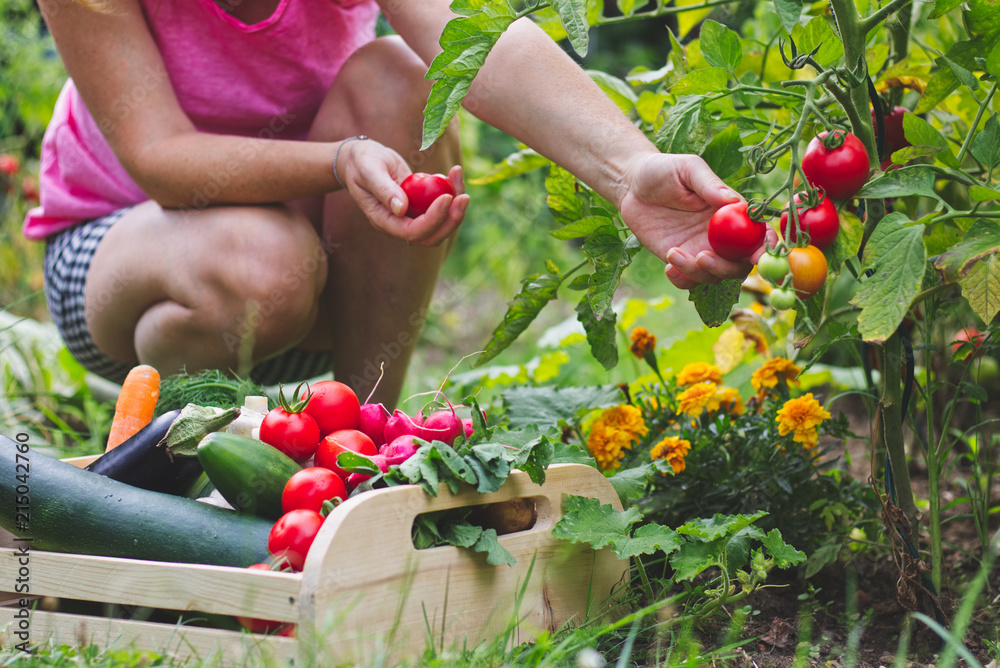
(73, 510)
(250, 474)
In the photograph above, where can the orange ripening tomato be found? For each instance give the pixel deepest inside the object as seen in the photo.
(808, 267)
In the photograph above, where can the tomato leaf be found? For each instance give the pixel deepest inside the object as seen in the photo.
(610, 256)
(896, 256)
(553, 406)
(789, 12)
(699, 82)
(573, 16)
(982, 239)
(446, 97)
(686, 128)
(720, 46)
(818, 33)
(714, 302)
(600, 333)
(986, 146)
(537, 290)
(584, 227)
(617, 90)
(944, 82)
(847, 241)
(942, 7)
(981, 287)
(518, 163)
(902, 182)
(723, 153)
(563, 197)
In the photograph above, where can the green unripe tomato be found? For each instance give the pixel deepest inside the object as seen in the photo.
(773, 267)
(782, 300)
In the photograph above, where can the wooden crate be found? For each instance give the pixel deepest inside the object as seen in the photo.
(364, 589)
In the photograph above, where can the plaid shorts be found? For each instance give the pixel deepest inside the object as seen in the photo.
(68, 255)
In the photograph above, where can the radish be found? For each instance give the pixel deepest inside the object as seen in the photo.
(469, 428)
(443, 426)
(401, 424)
(373, 420)
(355, 479)
(401, 449)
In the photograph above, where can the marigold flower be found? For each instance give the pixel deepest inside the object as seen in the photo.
(697, 398)
(699, 372)
(802, 417)
(614, 432)
(729, 399)
(642, 342)
(767, 375)
(673, 449)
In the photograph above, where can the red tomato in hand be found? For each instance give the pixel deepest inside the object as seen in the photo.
(808, 267)
(333, 405)
(259, 625)
(732, 234)
(292, 535)
(310, 487)
(840, 172)
(295, 434)
(339, 441)
(422, 189)
(821, 223)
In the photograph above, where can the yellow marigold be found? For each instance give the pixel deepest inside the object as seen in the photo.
(699, 372)
(673, 449)
(802, 416)
(729, 398)
(697, 398)
(614, 432)
(767, 375)
(642, 342)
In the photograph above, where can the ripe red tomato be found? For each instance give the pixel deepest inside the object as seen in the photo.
(968, 341)
(9, 164)
(334, 406)
(260, 625)
(808, 266)
(732, 234)
(895, 139)
(292, 535)
(310, 487)
(295, 434)
(339, 441)
(840, 172)
(821, 223)
(422, 189)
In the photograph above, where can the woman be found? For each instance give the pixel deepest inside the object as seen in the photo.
(197, 139)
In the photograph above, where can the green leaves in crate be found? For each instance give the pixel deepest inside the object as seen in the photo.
(451, 527)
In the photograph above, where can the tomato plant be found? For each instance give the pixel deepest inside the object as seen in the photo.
(773, 268)
(809, 270)
(422, 189)
(820, 222)
(310, 487)
(333, 405)
(733, 234)
(841, 170)
(292, 535)
(782, 299)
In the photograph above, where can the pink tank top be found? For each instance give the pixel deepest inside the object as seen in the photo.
(264, 80)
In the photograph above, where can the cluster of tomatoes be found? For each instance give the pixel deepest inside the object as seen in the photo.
(325, 421)
(836, 167)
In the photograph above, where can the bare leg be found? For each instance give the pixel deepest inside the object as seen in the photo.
(188, 289)
(378, 288)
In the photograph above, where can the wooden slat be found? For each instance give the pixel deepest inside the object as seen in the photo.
(158, 584)
(453, 591)
(181, 642)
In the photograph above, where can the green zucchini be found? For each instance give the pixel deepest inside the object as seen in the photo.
(250, 474)
(73, 510)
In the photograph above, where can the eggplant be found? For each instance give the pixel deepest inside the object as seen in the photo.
(142, 461)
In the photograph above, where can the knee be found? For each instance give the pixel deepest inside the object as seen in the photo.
(384, 72)
(271, 279)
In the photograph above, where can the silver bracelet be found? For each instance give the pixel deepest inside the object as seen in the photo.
(337, 153)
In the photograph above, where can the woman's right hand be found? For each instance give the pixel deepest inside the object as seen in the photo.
(372, 173)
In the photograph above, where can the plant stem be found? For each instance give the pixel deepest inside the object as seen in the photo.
(880, 15)
(892, 429)
(975, 124)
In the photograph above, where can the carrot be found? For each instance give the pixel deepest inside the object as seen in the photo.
(135, 405)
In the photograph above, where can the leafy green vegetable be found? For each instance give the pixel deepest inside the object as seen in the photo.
(210, 387)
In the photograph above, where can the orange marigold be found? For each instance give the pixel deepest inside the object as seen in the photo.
(729, 398)
(697, 398)
(802, 417)
(673, 449)
(643, 342)
(614, 432)
(767, 375)
(699, 372)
